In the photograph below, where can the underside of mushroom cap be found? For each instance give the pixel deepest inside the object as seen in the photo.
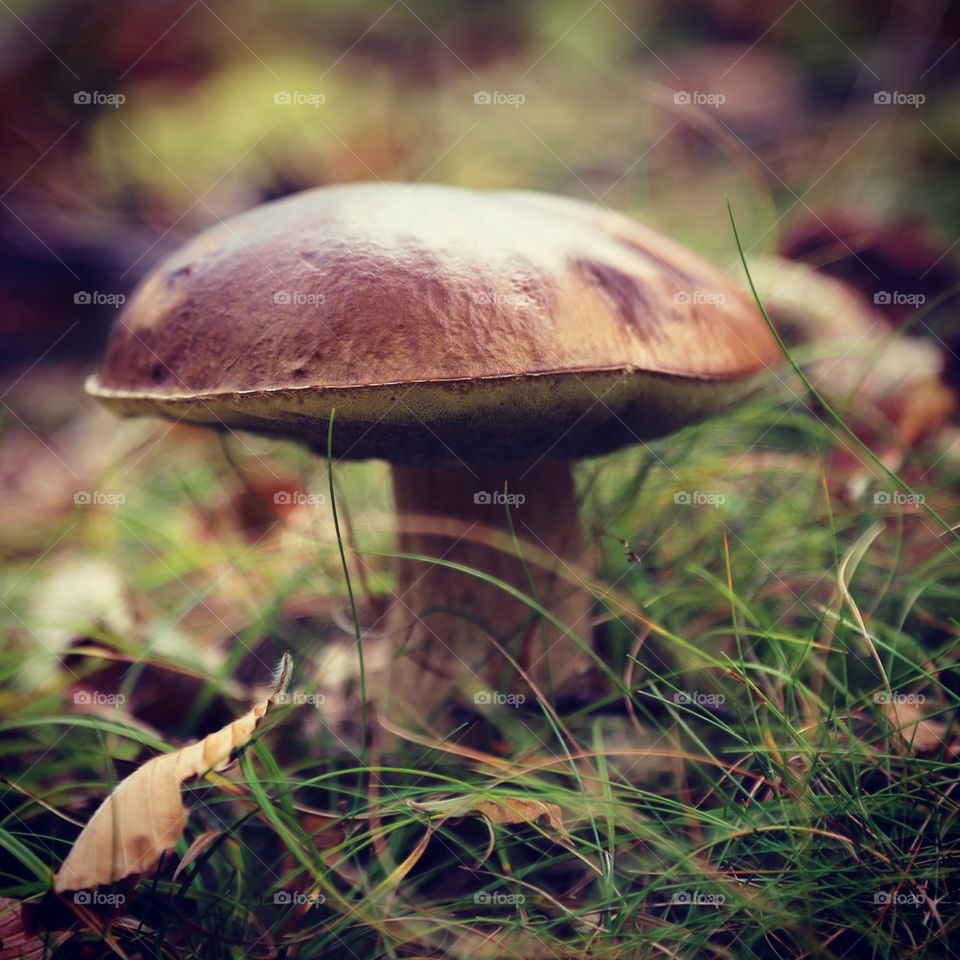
(495, 420)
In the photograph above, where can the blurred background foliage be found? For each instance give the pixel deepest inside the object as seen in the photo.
(129, 127)
(95, 193)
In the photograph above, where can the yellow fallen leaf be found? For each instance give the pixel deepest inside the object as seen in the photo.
(505, 811)
(145, 815)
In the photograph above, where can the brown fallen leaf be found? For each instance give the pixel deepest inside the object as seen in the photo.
(919, 733)
(503, 812)
(145, 815)
(16, 940)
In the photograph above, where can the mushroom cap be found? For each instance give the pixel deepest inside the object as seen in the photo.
(443, 324)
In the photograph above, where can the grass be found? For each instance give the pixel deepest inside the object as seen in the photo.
(737, 790)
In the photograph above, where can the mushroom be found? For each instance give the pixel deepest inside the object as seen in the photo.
(478, 341)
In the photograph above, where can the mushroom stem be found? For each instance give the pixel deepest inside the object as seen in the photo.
(443, 619)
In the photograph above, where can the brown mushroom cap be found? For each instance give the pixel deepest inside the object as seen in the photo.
(444, 324)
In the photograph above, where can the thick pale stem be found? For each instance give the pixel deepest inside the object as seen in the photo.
(442, 620)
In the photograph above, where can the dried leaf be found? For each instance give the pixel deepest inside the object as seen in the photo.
(17, 941)
(506, 811)
(145, 815)
(923, 735)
